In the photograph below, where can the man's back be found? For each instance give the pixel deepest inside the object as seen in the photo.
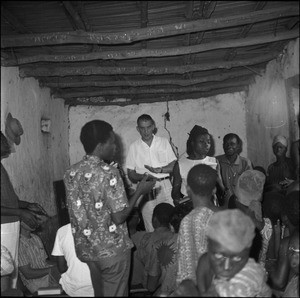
(76, 281)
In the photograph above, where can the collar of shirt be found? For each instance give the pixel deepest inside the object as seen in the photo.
(224, 159)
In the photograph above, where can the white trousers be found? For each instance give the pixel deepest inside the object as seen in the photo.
(163, 195)
(10, 233)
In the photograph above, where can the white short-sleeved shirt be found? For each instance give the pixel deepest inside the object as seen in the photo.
(159, 154)
(76, 281)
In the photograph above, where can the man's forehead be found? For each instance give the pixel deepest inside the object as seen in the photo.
(145, 123)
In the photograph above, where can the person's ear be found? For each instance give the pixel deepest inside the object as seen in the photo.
(189, 191)
(137, 128)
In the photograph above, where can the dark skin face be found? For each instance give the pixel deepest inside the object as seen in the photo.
(108, 149)
(231, 147)
(224, 262)
(279, 150)
(201, 146)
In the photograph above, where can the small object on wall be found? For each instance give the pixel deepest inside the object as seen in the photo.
(45, 125)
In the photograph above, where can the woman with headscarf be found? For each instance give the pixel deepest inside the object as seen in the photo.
(281, 171)
(197, 148)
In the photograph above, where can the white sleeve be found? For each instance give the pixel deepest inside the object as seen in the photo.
(130, 159)
(57, 251)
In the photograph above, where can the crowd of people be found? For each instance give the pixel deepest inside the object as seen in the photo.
(194, 225)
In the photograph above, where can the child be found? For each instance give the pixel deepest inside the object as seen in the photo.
(226, 269)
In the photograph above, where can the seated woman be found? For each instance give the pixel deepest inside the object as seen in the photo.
(282, 170)
(197, 148)
(247, 198)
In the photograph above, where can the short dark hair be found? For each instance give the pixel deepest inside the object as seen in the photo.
(93, 133)
(291, 207)
(194, 133)
(5, 148)
(163, 212)
(202, 179)
(145, 117)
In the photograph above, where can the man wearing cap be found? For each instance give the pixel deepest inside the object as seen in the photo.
(226, 269)
(283, 168)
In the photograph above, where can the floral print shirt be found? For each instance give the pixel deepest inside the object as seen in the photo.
(94, 191)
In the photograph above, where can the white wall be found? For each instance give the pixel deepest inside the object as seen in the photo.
(272, 105)
(219, 114)
(40, 158)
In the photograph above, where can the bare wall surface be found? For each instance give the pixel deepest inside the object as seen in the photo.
(272, 105)
(219, 114)
(41, 158)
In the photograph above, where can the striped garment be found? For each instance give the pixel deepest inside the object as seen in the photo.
(249, 282)
(32, 251)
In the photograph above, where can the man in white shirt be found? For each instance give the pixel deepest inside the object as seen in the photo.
(76, 277)
(154, 156)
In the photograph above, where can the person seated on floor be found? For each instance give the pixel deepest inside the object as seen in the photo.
(248, 196)
(75, 275)
(34, 268)
(226, 270)
(7, 268)
(146, 248)
(280, 277)
(198, 146)
(281, 171)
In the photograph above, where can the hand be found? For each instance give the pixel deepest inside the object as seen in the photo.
(153, 170)
(145, 185)
(286, 182)
(37, 208)
(29, 218)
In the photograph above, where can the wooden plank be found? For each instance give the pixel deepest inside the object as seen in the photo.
(112, 100)
(130, 36)
(63, 83)
(134, 54)
(136, 91)
(62, 71)
(76, 20)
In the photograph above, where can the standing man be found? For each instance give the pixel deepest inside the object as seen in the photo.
(232, 164)
(12, 211)
(152, 155)
(98, 209)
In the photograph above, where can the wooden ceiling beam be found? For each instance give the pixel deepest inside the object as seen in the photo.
(135, 91)
(134, 54)
(62, 71)
(230, 54)
(64, 83)
(144, 23)
(74, 17)
(113, 100)
(130, 36)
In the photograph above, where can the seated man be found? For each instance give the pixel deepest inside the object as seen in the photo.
(147, 246)
(35, 271)
(75, 278)
(226, 269)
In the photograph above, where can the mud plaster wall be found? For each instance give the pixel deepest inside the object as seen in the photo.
(272, 105)
(41, 158)
(219, 114)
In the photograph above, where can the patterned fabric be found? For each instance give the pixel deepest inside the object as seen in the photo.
(249, 282)
(192, 242)
(185, 164)
(166, 251)
(32, 252)
(266, 234)
(231, 172)
(94, 191)
(277, 172)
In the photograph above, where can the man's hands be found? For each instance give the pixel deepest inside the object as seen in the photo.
(153, 170)
(145, 185)
(37, 208)
(29, 218)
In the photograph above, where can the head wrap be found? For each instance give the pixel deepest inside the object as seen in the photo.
(233, 229)
(280, 139)
(249, 190)
(198, 130)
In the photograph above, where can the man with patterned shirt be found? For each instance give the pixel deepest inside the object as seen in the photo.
(98, 208)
